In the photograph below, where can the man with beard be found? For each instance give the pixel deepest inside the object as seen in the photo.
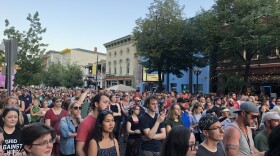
(184, 105)
(238, 138)
(213, 132)
(270, 121)
(232, 109)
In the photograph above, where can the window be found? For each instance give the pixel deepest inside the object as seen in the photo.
(110, 54)
(127, 50)
(127, 66)
(121, 52)
(115, 67)
(200, 88)
(109, 66)
(120, 67)
(115, 53)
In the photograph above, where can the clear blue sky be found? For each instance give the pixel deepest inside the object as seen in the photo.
(84, 23)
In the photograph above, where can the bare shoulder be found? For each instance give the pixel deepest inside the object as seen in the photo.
(231, 132)
(231, 140)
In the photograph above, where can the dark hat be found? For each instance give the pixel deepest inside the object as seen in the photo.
(206, 121)
(247, 107)
(181, 100)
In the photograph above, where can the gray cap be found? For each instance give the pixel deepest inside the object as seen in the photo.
(270, 116)
(247, 107)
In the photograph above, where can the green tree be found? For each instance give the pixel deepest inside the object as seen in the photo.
(58, 75)
(251, 28)
(54, 75)
(31, 49)
(73, 76)
(159, 39)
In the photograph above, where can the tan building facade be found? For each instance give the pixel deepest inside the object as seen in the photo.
(85, 59)
(122, 67)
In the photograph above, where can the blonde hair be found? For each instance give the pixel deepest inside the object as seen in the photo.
(71, 106)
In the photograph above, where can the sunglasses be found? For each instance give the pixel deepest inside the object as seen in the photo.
(252, 116)
(105, 112)
(59, 100)
(76, 108)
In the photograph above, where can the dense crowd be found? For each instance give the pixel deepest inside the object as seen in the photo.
(70, 122)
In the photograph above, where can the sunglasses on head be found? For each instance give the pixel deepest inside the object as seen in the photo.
(58, 100)
(105, 112)
(76, 108)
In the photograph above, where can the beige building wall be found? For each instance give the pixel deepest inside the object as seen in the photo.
(120, 56)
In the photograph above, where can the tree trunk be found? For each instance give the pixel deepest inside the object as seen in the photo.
(159, 81)
(213, 75)
(246, 76)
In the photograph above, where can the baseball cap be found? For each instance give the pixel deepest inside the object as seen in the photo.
(247, 107)
(206, 121)
(224, 109)
(270, 116)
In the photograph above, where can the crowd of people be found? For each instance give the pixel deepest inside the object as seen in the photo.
(70, 122)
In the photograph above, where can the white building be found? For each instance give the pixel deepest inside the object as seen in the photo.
(122, 67)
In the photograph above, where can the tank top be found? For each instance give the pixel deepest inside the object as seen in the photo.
(111, 151)
(115, 109)
(244, 145)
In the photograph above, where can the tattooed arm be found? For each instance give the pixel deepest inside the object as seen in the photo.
(231, 142)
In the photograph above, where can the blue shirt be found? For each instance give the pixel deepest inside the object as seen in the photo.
(186, 119)
(67, 143)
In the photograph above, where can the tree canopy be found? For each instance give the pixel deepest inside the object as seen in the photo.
(161, 39)
(31, 51)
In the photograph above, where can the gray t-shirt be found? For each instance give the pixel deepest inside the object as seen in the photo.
(202, 151)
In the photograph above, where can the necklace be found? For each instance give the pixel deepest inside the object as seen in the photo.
(245, 132)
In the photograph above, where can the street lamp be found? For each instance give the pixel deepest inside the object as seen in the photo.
(197, 71)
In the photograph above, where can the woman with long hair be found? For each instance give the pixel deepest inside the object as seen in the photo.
(116, 109)
(103, 142)
(52, 118)
(133, 146)
(195, 117)
(173, 118)
(179, 142)
(68, 129)
(12, 143)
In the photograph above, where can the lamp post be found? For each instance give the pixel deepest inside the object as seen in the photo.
(197, 71)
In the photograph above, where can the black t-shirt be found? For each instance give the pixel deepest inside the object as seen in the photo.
(12, 142)
(115, 109)
(134, 126)
(146, 121)
(202, 151)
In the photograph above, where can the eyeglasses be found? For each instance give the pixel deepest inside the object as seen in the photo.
(138, 100)
(105, 112)
(193, 147)
(76, 108)
(220, 128)
(45, 142)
